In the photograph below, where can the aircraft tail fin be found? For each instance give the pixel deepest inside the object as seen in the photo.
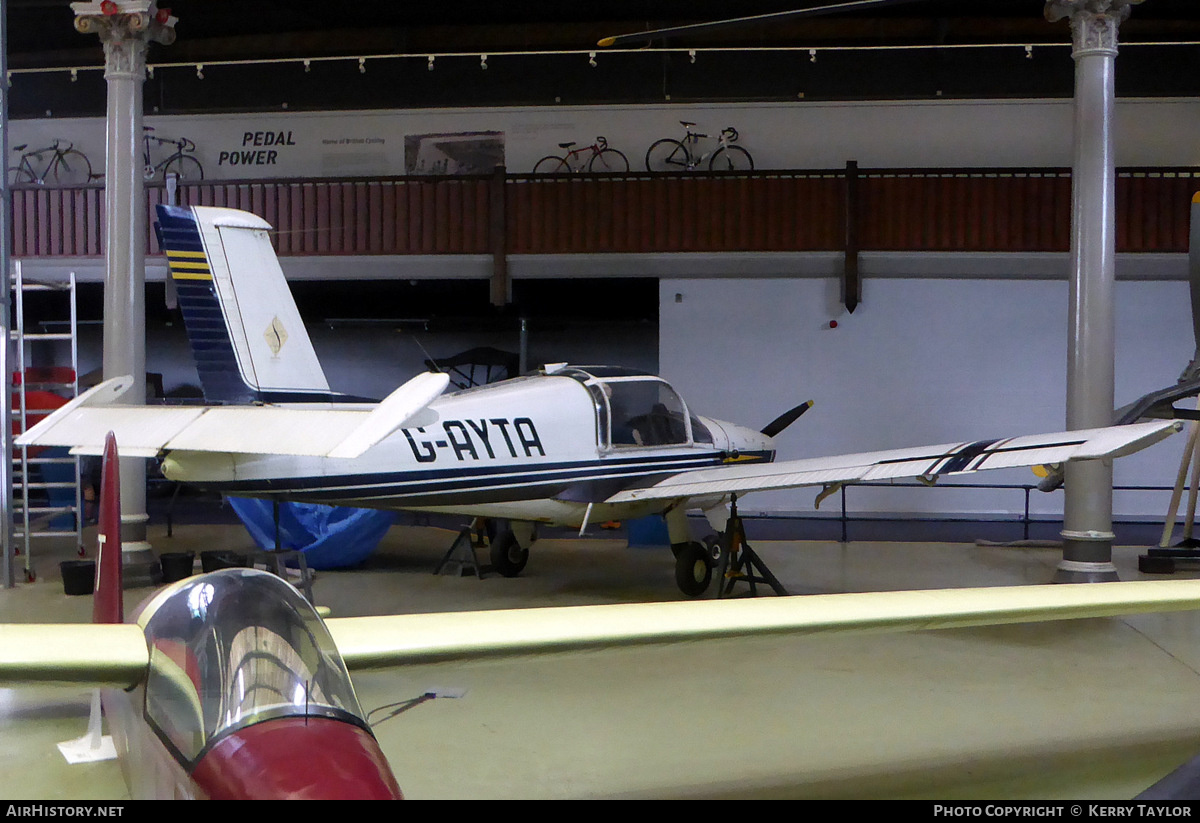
(246, 333)
(108, 603)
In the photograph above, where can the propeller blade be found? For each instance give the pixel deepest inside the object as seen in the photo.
(786, 419)
(742, 22)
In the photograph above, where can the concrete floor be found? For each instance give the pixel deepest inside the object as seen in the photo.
(1088, 709)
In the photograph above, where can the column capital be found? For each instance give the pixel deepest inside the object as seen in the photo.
(125, 20)
(126, 28)
(1094, 23)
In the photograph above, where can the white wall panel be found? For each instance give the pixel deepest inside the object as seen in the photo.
(919, 362)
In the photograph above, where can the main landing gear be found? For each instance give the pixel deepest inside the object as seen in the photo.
(728, 555)
(508, 555)
(508, 547)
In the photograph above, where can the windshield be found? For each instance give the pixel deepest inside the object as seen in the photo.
(236, 647)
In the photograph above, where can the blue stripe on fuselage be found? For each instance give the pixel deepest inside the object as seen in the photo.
(451, 484)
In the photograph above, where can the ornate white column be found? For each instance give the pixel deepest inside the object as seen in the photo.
(126, 29)
(1087, 523)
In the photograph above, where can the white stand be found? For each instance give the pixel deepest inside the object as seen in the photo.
(92, 747)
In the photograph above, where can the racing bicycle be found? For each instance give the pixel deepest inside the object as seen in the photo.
(64, 165)
(180, 162)
(597, 158)
(670, 154)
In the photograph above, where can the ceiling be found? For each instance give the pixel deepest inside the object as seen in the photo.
(277, 35)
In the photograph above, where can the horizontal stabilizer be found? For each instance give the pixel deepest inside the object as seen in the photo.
(393, 412)
(111, 654)
(147, 431)
(922, 461)
(372, 642)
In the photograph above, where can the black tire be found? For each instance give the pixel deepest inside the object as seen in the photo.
(508, 556)
(608, 161)
(693, 569)
(188, 169)
(731, 158)
(668, 155)
(551, 165)
(20, 175)
(71, 168)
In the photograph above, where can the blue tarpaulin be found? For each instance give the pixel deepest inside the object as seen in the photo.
(331, 537)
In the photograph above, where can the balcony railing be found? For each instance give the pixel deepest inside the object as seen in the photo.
(1014, 210)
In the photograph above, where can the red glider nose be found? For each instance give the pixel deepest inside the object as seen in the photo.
(297, 758)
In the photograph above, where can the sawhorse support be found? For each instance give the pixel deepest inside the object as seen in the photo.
(740, 563)
(461, 554)
(276, 559)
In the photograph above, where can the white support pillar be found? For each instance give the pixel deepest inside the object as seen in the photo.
(126, 29)
(1087, 523)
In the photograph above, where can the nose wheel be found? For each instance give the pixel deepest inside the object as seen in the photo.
(730, 556)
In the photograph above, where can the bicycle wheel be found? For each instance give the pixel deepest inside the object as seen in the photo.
(731, 158)
(71, 168)
(608, 161)
(668, 155)
(551, 165)
(20, 175)
(188, 168)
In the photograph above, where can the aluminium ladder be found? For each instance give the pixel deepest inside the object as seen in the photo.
(46, 488)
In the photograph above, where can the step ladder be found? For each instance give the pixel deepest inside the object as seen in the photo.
(47, 494)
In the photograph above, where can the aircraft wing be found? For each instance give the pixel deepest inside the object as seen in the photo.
(111, 654)
(923, 461)
(146, 431)
(375, 642)
(116, 654)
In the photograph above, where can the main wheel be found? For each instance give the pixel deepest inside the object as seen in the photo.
(551, 165)
(693, 569)
(668, 155)
(188, 168)
(71, 168)
(508, 557)
(608, 161)
(731, 158)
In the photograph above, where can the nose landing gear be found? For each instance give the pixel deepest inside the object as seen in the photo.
(730, 556)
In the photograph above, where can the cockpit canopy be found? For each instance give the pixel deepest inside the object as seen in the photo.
(235, 648)
(635, 409)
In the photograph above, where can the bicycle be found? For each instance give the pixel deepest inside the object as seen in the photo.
(603, 160)
(67, 166)
(670, 154)
(180, 163)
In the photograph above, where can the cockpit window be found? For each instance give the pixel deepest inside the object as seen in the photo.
(231, 649)
(644, 412)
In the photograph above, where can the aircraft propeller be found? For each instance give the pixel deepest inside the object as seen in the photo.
(786, 419)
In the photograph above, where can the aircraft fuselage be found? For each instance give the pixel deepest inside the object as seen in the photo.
(538, 448)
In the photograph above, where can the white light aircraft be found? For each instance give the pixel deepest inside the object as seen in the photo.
(566, 446)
